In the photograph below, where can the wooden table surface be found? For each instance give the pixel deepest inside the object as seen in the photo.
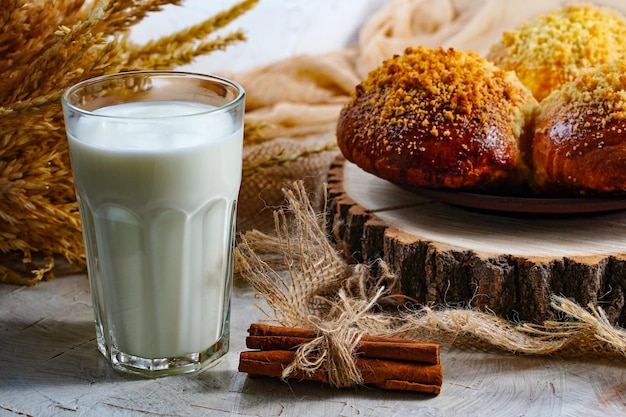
(50, 366)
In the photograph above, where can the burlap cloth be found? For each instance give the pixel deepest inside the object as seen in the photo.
(305, 282)
(301, 276)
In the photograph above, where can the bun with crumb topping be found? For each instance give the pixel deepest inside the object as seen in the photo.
(441, 119)
(579, 144)
(551, 49)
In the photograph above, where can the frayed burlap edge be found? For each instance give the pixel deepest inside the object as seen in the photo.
(305, 282)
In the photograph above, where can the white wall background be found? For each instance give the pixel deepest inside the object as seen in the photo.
(276, 29)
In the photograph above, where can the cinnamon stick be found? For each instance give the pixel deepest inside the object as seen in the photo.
(259, 329)
(388, 363)
(379, 373)
(267, 337)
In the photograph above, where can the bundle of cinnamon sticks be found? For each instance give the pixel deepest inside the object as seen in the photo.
(388, 363)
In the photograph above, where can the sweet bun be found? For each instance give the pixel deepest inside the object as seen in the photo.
(439, 118)
(550, 50)
(579, 145)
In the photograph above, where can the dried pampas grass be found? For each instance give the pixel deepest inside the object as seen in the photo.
(45, 48)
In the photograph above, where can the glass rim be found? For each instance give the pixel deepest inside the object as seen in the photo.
(161, 73)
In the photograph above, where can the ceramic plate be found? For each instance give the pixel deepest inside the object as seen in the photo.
(524, 204)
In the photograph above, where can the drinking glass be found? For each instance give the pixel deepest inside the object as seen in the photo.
(156, 159)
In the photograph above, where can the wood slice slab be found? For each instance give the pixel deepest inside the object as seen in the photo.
(509, 263)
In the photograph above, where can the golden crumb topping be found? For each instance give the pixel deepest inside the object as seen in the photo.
(603, 85)
(593, 101)
(550, 49)
(432, 89)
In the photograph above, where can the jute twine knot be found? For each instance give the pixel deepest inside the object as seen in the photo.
(333, 350)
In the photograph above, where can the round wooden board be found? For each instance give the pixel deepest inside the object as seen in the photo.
(509, 263)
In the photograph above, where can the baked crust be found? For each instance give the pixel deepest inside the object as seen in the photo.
(579, 146)
(439, 118)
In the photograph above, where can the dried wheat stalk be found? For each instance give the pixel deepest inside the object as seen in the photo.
(45, 47)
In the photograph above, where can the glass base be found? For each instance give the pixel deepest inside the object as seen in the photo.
(158, 367)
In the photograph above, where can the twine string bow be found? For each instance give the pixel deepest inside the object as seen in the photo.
(333, 350)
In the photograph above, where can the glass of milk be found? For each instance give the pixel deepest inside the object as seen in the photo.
(156, 158)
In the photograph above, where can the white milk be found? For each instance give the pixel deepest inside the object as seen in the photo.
(160, 205)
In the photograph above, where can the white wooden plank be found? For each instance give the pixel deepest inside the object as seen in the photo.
(49, 365)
